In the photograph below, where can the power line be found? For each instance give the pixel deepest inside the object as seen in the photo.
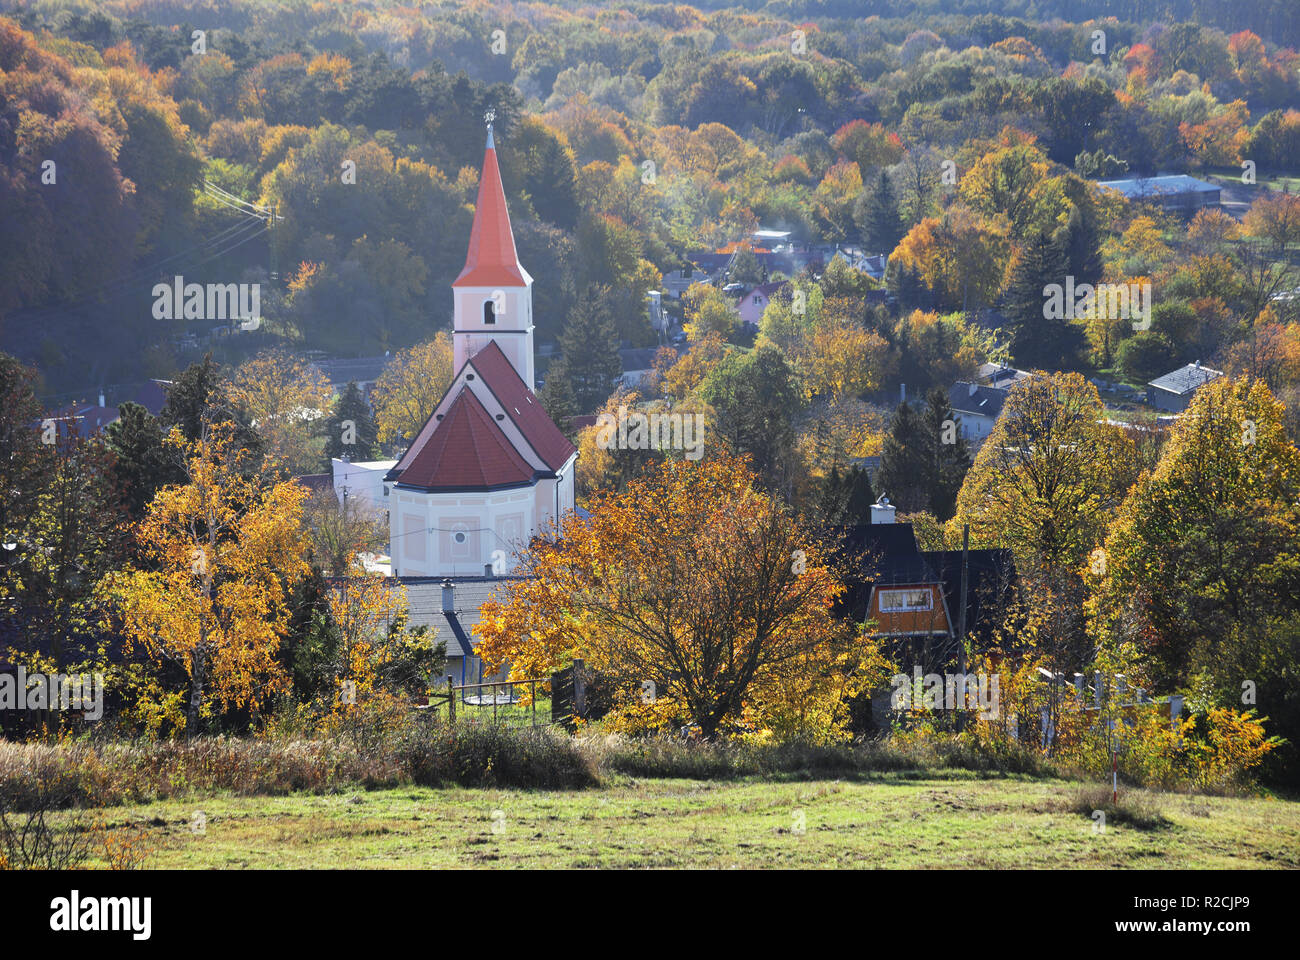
(141, 274)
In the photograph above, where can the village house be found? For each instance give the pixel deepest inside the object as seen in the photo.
(913, 597)
(1173, 392)
(753, 303)
(977, 403)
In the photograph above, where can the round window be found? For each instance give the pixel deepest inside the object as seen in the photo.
(460, 536)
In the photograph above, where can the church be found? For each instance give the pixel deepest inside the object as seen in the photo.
(489, 469)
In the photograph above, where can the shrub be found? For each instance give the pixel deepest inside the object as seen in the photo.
(487, 755)
(1137, 808)
(1214, 751)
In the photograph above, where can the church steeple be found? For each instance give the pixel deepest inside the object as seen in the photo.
(491, 260)
(493, 295)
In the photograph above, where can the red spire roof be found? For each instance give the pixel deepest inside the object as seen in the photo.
(492, 260)
(467, 450)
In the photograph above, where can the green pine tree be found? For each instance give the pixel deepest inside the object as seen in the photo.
(351, 432)
(590, 346)
(1036, 340)
(877, 216)
(556, 395)
(924, 459)
(141, 464)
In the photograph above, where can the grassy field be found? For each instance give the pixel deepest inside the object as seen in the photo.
(941, 821)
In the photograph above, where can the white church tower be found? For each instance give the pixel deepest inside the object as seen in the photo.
(493, 296)
(489, 469)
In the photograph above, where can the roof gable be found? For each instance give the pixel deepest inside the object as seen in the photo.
(466, 451)
(522, 407)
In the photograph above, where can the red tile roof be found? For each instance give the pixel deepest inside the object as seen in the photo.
(467, 450)
(522, 407)
(492, 260)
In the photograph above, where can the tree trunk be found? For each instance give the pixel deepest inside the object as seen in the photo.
(198, 669)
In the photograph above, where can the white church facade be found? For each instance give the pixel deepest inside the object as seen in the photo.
(489, 469)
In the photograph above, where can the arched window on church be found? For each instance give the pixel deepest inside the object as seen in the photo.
(489, 312)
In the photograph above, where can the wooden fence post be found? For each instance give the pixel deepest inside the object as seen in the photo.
(579, 690)
(451, 699)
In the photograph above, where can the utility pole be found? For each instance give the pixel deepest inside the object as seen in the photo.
(961, 612)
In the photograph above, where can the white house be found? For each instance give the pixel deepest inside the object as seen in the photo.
(363, 481)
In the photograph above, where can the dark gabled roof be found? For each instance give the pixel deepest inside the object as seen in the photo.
(467, 451)
(316, 481)
(522, 407)
(767, 289)
(152, 395)
(424, 599)
(1185, 379)
(965, 397)
(879, 554)
(990, 573)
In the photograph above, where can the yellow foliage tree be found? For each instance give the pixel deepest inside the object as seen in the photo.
(408, 391)
(285, 399)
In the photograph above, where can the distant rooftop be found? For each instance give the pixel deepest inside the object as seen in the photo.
(1141, 187)
(359, 369)
(1185, 379)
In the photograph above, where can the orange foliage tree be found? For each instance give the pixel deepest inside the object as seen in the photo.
(700, 598)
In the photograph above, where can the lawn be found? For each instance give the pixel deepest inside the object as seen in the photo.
(952, 820)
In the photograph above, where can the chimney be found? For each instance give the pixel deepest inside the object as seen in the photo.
(882, 511)
(970, 389)
(448, 597)
(101, 399)
(902, 393)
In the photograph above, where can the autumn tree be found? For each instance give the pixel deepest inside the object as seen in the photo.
(1275, 219)
(342, 528)
(840, 359)
(370, 653)
(605, 467)
(682, 375)
(961, 258)
(1200, 574)
(707, 312)
(696, 587)
(408, 391)
(286, 400)
(211, 596)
